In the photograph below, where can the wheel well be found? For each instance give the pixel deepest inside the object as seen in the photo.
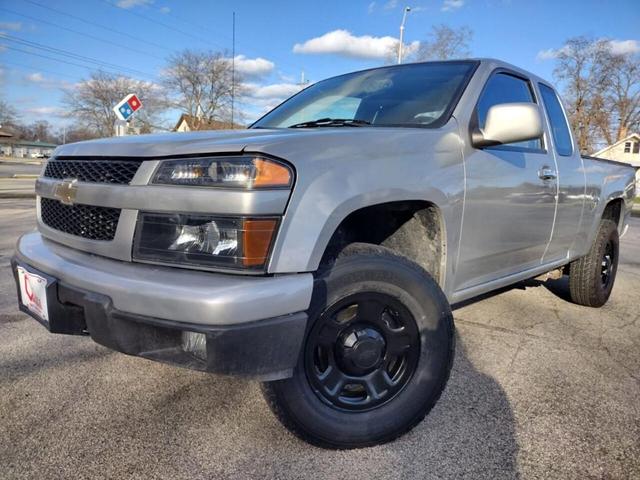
(613, 211)
(413, 229)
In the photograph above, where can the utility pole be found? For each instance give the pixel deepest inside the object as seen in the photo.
(233, 68)
(303, 82)
(404, 19)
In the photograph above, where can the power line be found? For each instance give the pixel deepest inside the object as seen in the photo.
(72, 55)
(95, 24)
(48, 57)
(110, 42)
(142, 40)
(189, 34)
(60, 60)
(163, 24)
(30, 68)
(248, 49)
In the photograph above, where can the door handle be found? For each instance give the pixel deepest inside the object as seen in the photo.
(547, 173)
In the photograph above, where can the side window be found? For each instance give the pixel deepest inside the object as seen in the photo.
(558, 121)
(505, 88)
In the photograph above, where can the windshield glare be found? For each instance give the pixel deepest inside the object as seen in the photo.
(407, 95)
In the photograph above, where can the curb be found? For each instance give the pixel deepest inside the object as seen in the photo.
(5, 195)
(16, 162)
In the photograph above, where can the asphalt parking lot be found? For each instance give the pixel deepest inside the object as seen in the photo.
(540, 388)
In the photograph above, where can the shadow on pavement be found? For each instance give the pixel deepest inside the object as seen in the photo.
(470, 433)
(127, 417)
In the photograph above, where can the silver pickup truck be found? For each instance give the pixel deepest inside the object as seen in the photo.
(319, 251)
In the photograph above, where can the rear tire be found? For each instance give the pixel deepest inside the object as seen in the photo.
(591, 277)
(377, 355)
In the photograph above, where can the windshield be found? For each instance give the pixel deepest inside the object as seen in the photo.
(413, 95)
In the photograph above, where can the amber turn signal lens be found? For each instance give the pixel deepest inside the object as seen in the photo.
(271, 174)
(256, 238)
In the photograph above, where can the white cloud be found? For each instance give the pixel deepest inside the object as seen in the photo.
(371, 8)
(253, 66)
(391, 4)
(165, 10)
(616, 47)
(342, 42)
(15, 26)
(42, 81)
(450, 5)
(275, 91)
(127, 4)
(548, 54)
(35, 77)
(43, 111)
(624, 47)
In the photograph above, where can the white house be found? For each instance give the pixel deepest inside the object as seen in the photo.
(24, 148)
(626, 150)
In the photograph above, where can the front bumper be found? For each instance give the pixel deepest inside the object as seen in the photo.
(253, 326)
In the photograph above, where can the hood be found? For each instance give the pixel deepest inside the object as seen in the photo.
(295, 145)
(165, 144)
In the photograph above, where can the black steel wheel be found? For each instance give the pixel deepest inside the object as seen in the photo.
(377, 355)
(609, 259)
(362, 351)
(591, 277)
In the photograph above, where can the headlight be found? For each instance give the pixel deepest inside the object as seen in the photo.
(204, 240)
(246, 172)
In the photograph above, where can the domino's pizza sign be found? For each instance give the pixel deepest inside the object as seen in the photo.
(127, 107)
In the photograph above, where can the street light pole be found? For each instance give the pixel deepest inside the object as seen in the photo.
(233, 70)
(404, 19)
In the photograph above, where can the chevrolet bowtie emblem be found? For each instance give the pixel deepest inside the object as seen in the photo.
(66, 191)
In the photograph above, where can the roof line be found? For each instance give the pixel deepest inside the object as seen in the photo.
(637, 135)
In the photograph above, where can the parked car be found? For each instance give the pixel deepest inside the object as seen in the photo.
(319, 251)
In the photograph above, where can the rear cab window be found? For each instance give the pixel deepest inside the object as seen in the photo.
(557, 120)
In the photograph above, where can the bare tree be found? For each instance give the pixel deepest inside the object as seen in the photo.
(41, 130)
(8, 115)
(601, 89)
(201, 85)
(74, 133)
(91, 102)
(445, 43)
(622, 99)
(582, 67)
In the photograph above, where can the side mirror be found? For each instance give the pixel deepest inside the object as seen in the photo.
(509, 123)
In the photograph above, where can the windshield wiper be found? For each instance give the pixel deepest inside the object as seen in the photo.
(331, 122)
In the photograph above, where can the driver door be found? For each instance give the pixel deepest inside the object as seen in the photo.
(509, 204)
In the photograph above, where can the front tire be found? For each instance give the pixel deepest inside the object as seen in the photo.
(377, 354)
(591, 277)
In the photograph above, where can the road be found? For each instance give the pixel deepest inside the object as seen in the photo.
(24, 185)
(9, 169)
(540, 388)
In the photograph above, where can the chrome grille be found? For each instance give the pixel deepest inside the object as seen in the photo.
(96, 171)
(86, 221)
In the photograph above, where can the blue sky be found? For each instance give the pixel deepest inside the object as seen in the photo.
(275, 40)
